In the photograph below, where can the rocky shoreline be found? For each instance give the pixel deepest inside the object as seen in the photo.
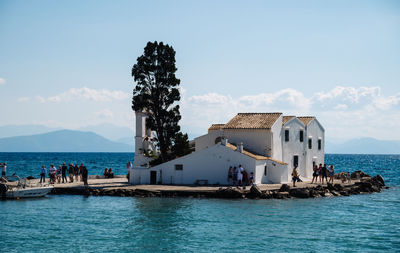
(363, 184)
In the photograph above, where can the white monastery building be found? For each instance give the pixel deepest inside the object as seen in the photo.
(265, 144)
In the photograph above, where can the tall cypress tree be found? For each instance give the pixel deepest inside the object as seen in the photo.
(156, 92)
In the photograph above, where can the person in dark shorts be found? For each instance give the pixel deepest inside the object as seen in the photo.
(84, 174)
(315, 174)
(295, 176)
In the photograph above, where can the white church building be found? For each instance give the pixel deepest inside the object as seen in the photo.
(265, 144)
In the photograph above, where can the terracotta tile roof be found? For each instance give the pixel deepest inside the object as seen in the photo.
(257, 157)
(286, 119)
(216, 127)
(253, 121)
(306, 119)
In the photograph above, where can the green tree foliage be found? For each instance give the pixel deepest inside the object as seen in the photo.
(156, 92)
(181, 145)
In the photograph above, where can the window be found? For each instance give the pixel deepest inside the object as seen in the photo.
(178, 166)
(295, 161)
(319, 144)
(265, 170)
(301, 135)
(286, 135)
(310, 143)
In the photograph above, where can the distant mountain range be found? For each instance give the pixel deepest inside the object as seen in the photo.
(108, 131)
(111, 138)
(62, 141)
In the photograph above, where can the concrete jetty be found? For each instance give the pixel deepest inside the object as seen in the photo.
(360, 184)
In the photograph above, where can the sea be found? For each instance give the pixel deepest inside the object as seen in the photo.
(63, 223)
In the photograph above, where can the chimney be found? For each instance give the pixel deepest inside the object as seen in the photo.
(224, 141)
(240, 147)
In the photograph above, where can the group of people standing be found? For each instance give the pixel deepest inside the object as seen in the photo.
(60, 173)
(322, 173)
(3, 167)
(239, 176)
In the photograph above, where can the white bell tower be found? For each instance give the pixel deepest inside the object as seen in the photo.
(143, 140)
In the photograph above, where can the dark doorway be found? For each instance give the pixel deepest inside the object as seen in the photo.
(295, 161)
(153, 177)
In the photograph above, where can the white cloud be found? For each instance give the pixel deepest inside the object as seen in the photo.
(350, 94)
(84, 93)
(386, 103)
(2, 81)
(345, 112)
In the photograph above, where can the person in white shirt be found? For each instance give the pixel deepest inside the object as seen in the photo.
(240, 174)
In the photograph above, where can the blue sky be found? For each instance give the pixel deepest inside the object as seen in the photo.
(68, 63)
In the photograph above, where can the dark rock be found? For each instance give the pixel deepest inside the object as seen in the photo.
(365, 186)
(284, 188)
(229, 193)
(314, 193)
(280, 195)
(335, 193)
(300, 193)
(358, 174)
(375, 188)
(344, 193)
(338, 187)
(378, 178)
(254, 192)
(330, 187)
(30, 177)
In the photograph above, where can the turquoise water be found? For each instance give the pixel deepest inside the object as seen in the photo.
(360, 223)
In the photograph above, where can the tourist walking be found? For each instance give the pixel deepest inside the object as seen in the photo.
(76, 172)
(320, 172)
(230, 175)
(3, 169)
(71, 173)
(295, 176)
(240, 175)
(80, 170)
(331, 173)
(84, 174)
(315, 174)
(324, 174)
(59, 174)
(129, 166)
(52, 174)
(64, 170)
(251, 178)
(43, 174)
(234, 179)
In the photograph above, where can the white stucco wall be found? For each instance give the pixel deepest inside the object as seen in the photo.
(257, 141)
(276, 131)
(207, 140)
(294, 146)
(274, 173)
(316, 131)
(210, 164)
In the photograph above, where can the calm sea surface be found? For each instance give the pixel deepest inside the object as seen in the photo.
(361, 223)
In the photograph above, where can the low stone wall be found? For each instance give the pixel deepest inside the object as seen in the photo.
(365, 185)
